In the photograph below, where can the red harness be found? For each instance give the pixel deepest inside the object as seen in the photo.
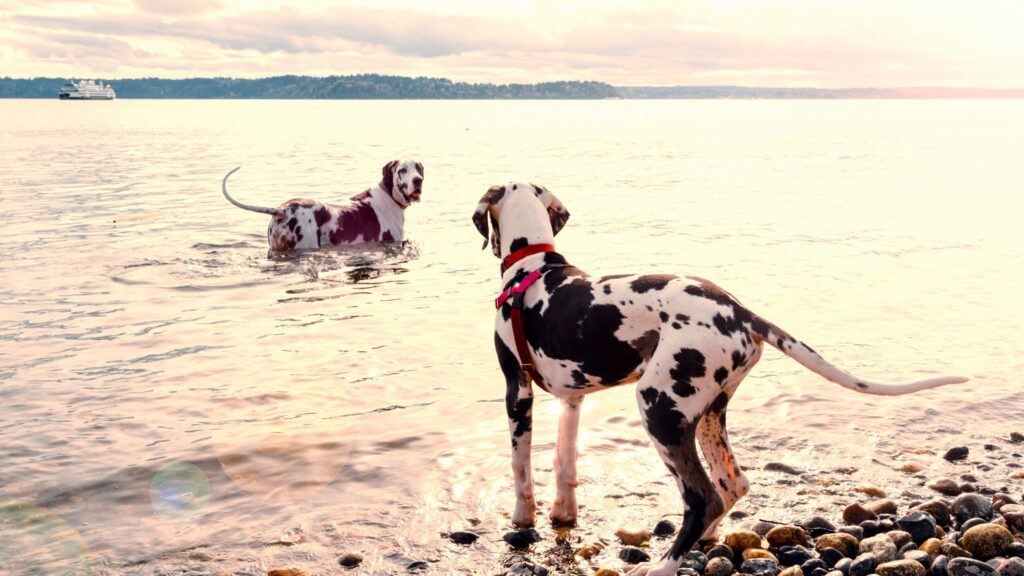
(515, 292)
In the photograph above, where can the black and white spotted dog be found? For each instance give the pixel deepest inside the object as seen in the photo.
(374, 215)
(685, 342)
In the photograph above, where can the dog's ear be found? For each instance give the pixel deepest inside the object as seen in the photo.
(419, 168)
(388, 180)
(558, 214)
(493, 194)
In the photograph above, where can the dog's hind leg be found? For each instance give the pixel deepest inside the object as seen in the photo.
(729, 480)
(519, 406)
(670, 418)
(563, 510)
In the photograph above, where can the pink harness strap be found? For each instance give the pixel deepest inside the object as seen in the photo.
(517, 288)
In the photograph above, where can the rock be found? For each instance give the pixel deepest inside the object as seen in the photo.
(971, 524)
(817, 526)
(881, 546)
(886, 524)
(855, 531)
(696, 559)
(920, 525)
(956, 454)
(720, 551)
(844, 543)
(1013, 515)
(986, 541)
(856, 513)
(351, 560)
(464, 538)
(631, 555)
(968, 487)
(901, 568)
(899, 537)
(863, 565)
(784, 468)
(813, 565)
(945, 486)
(421, 565)
(932, 546)
(794, 555)
(871, 490)
(606, 572)
(920, 556)
(286, 572)
(522, 538)
(969, 567)
(937, 508)
(884, 506)
(588, 551)
(740, 540)
(830, 556)
(762, 528)
(908, 547)
(664, 529)
(718, 567)
(967, 506)
(1011, 567)
(1016, 437)
(912, 468)
(760, 566)
(633, 535)
(939, 567)
(1016, 549)
(870, 528)
(843, 566)
(953, 551)
(791, 571)
(752, 553)
(787, 535)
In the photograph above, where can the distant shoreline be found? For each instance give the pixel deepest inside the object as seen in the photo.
(378, 87)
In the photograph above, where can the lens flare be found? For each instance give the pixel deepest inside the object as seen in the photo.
(179, 490)
(37, 542)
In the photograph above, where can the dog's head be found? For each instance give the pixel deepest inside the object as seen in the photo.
(403, 179)
(520, 210)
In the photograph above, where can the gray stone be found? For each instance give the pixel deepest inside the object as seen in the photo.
(967, 506)
(920, 525)
(718, 567)
(970, 567)
(863, 565)
(760, 566)
(631, 555)
(881, 546)
(1011, 567)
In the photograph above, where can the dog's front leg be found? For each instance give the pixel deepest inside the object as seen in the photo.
(563, 511)
(519, 406)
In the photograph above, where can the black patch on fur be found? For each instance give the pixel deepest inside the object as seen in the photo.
(651, 282)
(518, 243)
(677, 325)
(664, 423)
(612, 277)
(518, 409)
(689, 365)
(738, 359)
(664, 317)
(646, 344)
(721, 374)
(683, 318)
(607, 289)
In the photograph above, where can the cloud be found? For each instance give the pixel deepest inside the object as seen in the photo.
(177, 7)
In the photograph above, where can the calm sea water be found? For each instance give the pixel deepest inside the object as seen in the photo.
(174, 401)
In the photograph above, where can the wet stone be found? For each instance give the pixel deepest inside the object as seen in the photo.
(886, 525)
(686, 571)
(899, 537)
(820, 572)
(956, 454)
(1016, 549)
(969, 567)
(830, 556)
(855, 531)
(967, 506)
(740, 540)
(631, 555)
(856, 513)
(817, 526)
(863, 565)
(952, 551)
(1011, 567)
(813, 564)
(286, 572)
(986, 541)
(908, 547)
(881, 546)
(971, 524)
(522, 538)
(464, 538)
(938, 509)
(760, 566)
(664, 529)
(718, 567)
(794, 555)
(945, 486)
(920, 526)
(932, 546)
(633, 535)
(418, 566)
(901, 568)
(1016, 437)
(883, 506)
(784, 468)
(939, 566)
(790, 571)
(762, 528)
(606, 572)
(588, 551)
(870, 528)
(350, 560)
(844, 543)
(696, 560)
(843, 566)
(720, 551)
(1013, 515)
(787, 535)
(871, 490)
(752, 553)
(920, 556)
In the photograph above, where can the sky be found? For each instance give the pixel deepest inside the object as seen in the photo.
(785, 43)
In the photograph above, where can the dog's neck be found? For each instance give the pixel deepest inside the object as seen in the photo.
(521, 224)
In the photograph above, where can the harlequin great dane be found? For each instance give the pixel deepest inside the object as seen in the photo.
(374, 215)
(685, 342)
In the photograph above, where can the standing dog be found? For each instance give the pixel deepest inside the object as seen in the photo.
(685, 342)
(374, 215)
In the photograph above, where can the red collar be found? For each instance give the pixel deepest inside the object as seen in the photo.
(523, 253)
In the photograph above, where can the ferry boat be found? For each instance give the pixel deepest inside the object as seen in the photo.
(86, 90)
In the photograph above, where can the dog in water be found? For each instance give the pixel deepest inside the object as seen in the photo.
(684, 341)
(374, 215)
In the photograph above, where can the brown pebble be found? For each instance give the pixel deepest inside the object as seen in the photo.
(933, 546)
(945, 486)
(590, 550)
(606, 572)
(899, 537)
(912, 467)
(286, 572)
(752, 553)
(901, 568)
(951, 551)
(351, 560)
(870, 490)
(1011, 567)
(938, 509)
(856, 513)
(633, 535)
(884, 506)
(986, 541)
(792, 571)
(787, 535)
(1017, 476)
(1013, 515)
(741, 540)
(841, 541)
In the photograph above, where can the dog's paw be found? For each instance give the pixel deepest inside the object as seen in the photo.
(525, 514)
(563, 512)
(664, 568)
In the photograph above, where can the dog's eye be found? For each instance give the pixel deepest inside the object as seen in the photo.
(402, 171)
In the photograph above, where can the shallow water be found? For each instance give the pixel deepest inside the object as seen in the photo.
(174, 401)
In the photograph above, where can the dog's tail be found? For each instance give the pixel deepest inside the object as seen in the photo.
(260, 209)
(811, 360)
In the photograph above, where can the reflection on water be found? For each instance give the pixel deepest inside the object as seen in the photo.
(173, 400)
